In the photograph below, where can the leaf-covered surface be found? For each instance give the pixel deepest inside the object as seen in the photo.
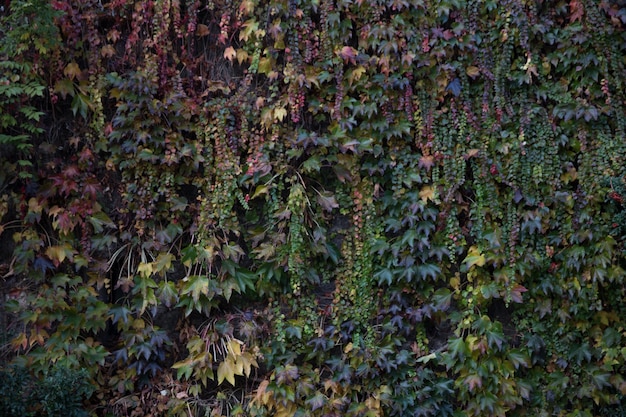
(320, 208)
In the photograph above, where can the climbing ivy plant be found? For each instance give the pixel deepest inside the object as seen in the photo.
(330, 207)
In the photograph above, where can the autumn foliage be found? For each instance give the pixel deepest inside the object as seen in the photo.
(313, 208)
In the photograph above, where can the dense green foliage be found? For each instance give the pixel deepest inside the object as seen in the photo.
(59, 393)
(314, 208)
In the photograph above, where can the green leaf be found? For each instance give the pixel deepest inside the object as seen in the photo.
(120, 312)
(185, 369)
(317, 401)
(196, 285)
(167, 293)
(163, 262)
(458, 349)
(519, 358)
(99, 220)
(442, 299)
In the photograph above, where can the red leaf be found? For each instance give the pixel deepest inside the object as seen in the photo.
(516, 293)
(348, 54)
(576, 10)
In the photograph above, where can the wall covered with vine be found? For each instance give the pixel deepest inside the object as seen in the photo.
(315, 208)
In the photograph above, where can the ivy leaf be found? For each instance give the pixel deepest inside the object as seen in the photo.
(442, 299)
(230, 53)
(280, 113)
(490, 291)
(356, 74)
(473, 382)
(454, 87)
(516, 293)
(64, 87)
(120, 312)
(72, 71)
(384, 276)
(577, 10)
(457, 348)
(185, 369)
(196, 286)
(348, 54)
(427, 193)
(58, 254)
(145, 269)
(226, 370)
(495, 338)
(99, 220)
(167, 293)
(317, 401)
(312, 164)
(472, 71)
(428, 270)
(601, 379)
(202, 30)
(426, 162)
(327, 200)
(247, 361)
(519, 358)
(163, 262)
(474, 257)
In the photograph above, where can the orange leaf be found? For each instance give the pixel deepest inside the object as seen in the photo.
(107, 51)
(230, 53)
(426, 162)
(427, 193)
(202, 30)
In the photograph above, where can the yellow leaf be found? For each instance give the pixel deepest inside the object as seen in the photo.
(455, 283)
(472, 71)
(248, 361)
(72, 70)
(238, 367)
(356, 74)
(474, 257)
(230, 53)
(56, 254)
(34, 206)
(373, 404)
(145, 269)
(242, 56)
(163, 262)
(282, 411)
(280, 113)
(260, 190)
(427, 193)
(348, 348)
(234, 347)
(226, 370)
(265, 65)
(246, 7)
(267, 119)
